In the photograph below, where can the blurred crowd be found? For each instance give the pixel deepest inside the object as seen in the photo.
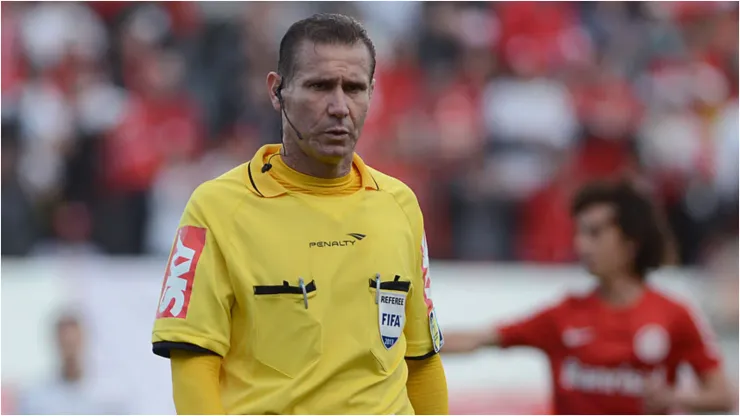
(113, 112)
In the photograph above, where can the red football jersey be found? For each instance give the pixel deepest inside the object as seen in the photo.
(599, 355)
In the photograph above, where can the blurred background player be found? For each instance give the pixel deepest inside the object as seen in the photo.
(73, 391)
(617, 349)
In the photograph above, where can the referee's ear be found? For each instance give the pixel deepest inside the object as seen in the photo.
(372, 88)
(273, 82)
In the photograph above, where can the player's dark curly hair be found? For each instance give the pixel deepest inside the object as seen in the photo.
(636, 215)
(322, 28)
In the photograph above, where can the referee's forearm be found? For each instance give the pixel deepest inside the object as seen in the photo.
(427, 386)
(195, 383)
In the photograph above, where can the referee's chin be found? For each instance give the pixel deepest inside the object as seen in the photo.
(330, 150)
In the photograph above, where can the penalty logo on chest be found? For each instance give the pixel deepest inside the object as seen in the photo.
(391, 316)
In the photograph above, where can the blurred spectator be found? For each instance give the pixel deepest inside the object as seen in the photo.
(19, 231)
(160, 123)
(726, 133)
(492, 112)
(608, 114)
(721, 266)
(73, 392)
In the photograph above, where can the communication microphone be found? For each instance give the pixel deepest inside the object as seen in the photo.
(282, 107)
(279, 95)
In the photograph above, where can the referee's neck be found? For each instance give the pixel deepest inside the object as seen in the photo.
(296, 159)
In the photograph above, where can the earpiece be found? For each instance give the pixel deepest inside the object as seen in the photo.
(279, 93)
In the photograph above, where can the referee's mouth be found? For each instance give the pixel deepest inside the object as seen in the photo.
(338, 132)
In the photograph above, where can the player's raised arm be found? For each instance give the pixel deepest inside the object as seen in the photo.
(193, 321)
(536, 331)
(462, 342)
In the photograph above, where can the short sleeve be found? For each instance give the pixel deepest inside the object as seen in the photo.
(423, 334)
(695, 342)
(539, 330)
(193, 312)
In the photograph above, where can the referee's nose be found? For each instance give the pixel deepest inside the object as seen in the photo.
(338, 105)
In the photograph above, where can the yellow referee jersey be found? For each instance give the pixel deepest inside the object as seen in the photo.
(312, 301)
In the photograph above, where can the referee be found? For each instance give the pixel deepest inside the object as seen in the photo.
(299, 282)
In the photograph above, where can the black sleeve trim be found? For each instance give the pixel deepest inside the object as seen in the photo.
(423, 357)
(163, 348)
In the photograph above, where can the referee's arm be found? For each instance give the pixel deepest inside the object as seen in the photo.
(193, 324)
(195, 384)
(427, 386)
(426, 383)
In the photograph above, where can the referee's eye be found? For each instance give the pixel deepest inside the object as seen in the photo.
(354, 87)
(320, 86)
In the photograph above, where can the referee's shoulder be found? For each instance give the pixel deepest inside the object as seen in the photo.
(222, 191)
(401, 192)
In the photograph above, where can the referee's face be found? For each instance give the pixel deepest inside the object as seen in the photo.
(328, 98)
